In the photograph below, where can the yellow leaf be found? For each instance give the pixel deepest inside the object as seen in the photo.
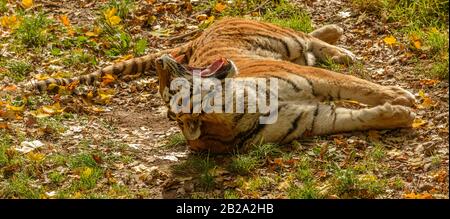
(422, 94)
(123, 58)
(110, 12)
(430, 82)
(390, 40)
(90, 34)
(15, 108)
(220, 7)
(87, 172)
(418, 123)
(111, 17)
(107, 79)
(114, 20)
(9, 22)
(27, 3)
(35, 156)
(413, 195)
(434, 30)
(53, 109)
(64, 20)
(41, 77)
(417, 44)
(77, 195)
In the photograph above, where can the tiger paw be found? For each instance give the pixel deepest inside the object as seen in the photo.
(388, 116)
(343, 56)
(400, 96)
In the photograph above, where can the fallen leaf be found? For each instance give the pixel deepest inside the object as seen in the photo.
(111, 17)
(4, 125)
(27, 3)
(36, 157)
(220, 7)
(390, 40)
(418, 123)
(27, 146)
(413, 195)
(87, 172)
(64, 20)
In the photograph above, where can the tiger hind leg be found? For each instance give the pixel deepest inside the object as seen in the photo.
(328, 33)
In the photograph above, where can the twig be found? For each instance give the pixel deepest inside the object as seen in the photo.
(260, 6)
(185, 35)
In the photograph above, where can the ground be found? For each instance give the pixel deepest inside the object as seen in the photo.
(120, 144)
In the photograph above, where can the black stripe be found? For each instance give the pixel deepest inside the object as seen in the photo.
(294, 126)
(310, 84)
(316, 112)
(296, 88)
(333, 112)
(133, 67)
(117, 70)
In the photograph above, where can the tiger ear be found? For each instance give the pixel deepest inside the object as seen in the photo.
(191, 128)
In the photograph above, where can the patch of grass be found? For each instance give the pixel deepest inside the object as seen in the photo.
(52, 123)
(201, 165)
(331, 65)
(378, 152)
(33, 32)
(20, 186)
(139, 47)
(55, 177)
(176, 140)
(348, 184)
(5, 144)
(82, 160)
(304, 172)
(80, 57)
(57, 159)
(244, 164)
(306, 191)
(124, 7)
(3, 7)
(413, 13)
(257, 183)
(18, 70)
(264, 150)
(88, 178)
(230, 194)
(290, 16)
(398, 183)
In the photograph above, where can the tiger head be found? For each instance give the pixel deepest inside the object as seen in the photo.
(203, 131)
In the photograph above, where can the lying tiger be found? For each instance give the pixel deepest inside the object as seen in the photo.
(240, 48)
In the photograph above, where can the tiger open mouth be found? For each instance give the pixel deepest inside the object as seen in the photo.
(218, 69)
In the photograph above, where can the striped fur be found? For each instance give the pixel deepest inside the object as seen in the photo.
(234, 38)
(302, 110)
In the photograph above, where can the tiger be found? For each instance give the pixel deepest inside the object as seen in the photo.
(234, 38)
(304, 107)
